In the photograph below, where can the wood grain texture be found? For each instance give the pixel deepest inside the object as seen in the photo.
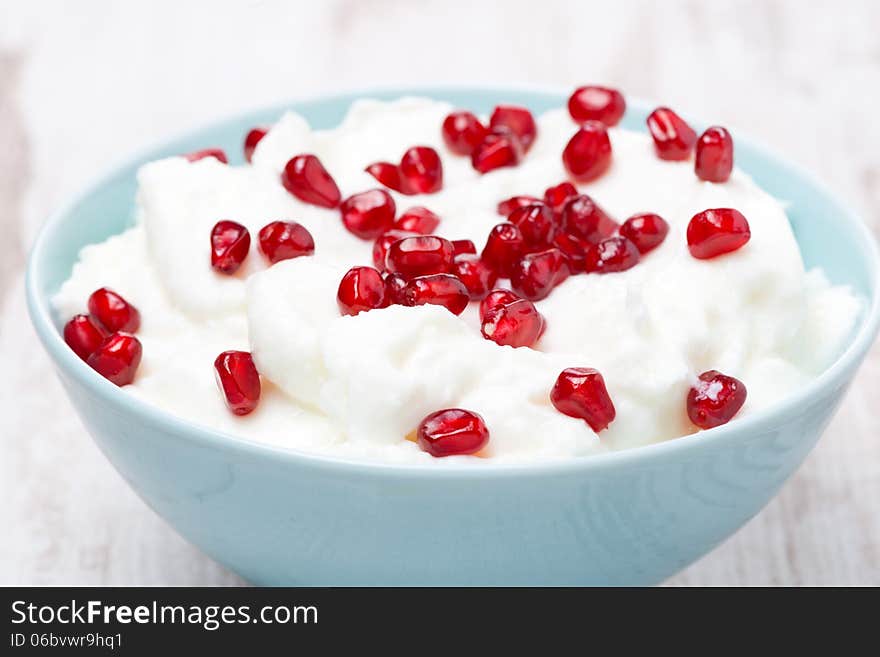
(804, 77)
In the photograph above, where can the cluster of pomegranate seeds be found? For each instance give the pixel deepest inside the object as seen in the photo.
(238, 380)
(647, 231)
(714, 159)
(451, 432)
(306, 178)
(112, 312)
(511, 132)
(361, 289)
(673, 137)
(715, 399)
(368, 214)
(418, 220)
(251, 139)
(283, 240)
(595, 103)
(216, 153)
(420, 172)
(230, 243)
(613, 254)
(714, 232)
(508, 319)
(580, 392)
(588, 153)
(437, 289)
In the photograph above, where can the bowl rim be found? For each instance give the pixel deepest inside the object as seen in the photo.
(39, 307)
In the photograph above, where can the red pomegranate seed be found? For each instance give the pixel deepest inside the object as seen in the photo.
(580, 392)
(515, 324)
(394, 286)
(507, 206)
(384, 242)
(496, 151)
(535, 222)
(362, 288)
(461, 247)
(422, 170)
(584, 219)
(612, 254)
(496, 299)
(673, 138)
(283, 240)
(588, 153)
(418, 220)
(112, 312)
(238, 380)
(439, 290)
(558, 195)
(420, 255)
(517, 120)
(503, 248)
(216, 153)
(230, 242)
(388, 174)
(647, 231)
(83, 335)
(714, 160)
(535, 276)
(477, 276)
(117, 358)
(712, 233)
(368, 214)
(254, 137)
(574, 250)
(306, 178)
(463, 132)
(594, 103)
(715, 399)
(451, 432)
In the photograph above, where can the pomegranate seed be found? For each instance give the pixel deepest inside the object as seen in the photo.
(368, 214)
(535, 276)
(362, 288)
(463, 132)
(673, 138)
(517, 120)
(588, 153)
(461, 247)
(437, 289)
(496, 299)
(714, 160)
(496, 151)
(422, 170)
(283, 240)
(594, 103)
(477, 276)
(230, 242)
(451, 432)
(515, 324)
(216, 153)
(306, 178)
(712, 233)
(388, 174)
(580, 392)
(117, 358)
(507, 206)
(238, 380)
(384, 242)
(535, 222)
(574, 250)
(647, 231)
(394, 286)
(715, 399)
(584, 219)
(612, 254)
(112, 312)
(503, 248)
(418, 220)
(558, 195)
(83, 335)
(254, 137)
(420, 255)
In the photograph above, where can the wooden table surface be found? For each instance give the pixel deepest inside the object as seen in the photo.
(83, 85)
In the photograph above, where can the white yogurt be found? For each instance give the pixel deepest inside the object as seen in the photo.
(358, 386)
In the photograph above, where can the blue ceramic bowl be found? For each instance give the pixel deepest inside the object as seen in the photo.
(284, 517)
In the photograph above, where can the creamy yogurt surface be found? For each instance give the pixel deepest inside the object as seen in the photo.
(357, 387)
